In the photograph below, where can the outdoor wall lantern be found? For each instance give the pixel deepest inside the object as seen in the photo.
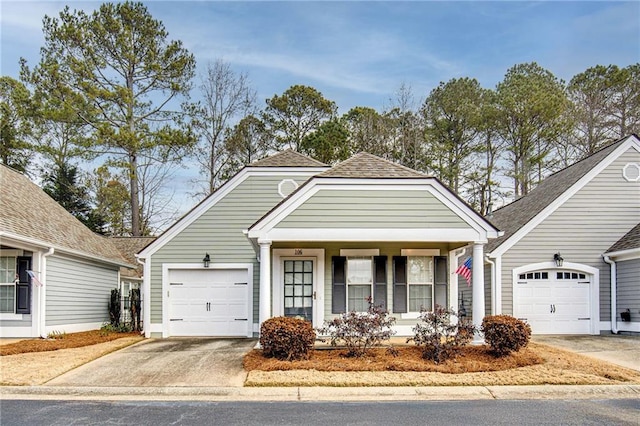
(206, 260)
(558, 259)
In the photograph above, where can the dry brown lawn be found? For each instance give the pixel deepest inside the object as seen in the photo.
(537, 364)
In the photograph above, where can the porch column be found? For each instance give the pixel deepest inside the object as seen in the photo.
(265, 280)
(477, 281)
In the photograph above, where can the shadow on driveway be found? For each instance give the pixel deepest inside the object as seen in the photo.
(166, 362)
(623, 350)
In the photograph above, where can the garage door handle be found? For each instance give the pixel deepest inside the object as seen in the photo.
(583, 319)
(175, 319)
(241, 319)
(240, 283)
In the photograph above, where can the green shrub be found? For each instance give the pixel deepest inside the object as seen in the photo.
(505, 334)
(287, 338)
(108, 328)
(439, 337)
(360, 331)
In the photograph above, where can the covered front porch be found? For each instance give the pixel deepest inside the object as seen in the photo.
(317, 281)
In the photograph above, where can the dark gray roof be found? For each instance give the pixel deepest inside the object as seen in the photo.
(514, 216)
(129, 247)
(365, 165)
(288, 158)
(629, 242)
(28, 212)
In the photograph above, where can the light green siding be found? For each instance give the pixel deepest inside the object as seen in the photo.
(218, 232)
(355, 209)
(582, 229)
(78, 292)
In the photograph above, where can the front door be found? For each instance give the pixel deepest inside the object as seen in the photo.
(299, 288)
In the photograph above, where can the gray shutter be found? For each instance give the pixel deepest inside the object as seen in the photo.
(380, 281)
(441, 273)
(23, 287)
(399, 284)
(338, 284)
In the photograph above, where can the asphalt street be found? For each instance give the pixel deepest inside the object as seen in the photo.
(516, 412)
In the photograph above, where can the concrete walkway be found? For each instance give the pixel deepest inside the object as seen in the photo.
(623, 350)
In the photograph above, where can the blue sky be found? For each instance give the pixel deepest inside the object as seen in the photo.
(359, 53)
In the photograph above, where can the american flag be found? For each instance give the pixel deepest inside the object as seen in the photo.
(34, 279)
(465, 270)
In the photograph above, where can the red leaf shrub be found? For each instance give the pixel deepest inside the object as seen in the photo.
(505, 334)
(286, 338)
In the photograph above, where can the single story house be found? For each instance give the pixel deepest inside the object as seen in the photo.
(55, 274)
(569, 259)
(288, 235)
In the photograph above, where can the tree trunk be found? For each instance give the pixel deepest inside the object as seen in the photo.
(135, 199)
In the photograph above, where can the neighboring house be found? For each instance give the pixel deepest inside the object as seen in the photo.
(548, 267)
(55, 274)
(291, 236)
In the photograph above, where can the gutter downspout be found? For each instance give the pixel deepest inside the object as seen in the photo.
(146, 296)
(42, 309)
(614, 296)
(494, 299)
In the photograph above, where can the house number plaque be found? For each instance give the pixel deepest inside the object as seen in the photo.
(297, 252)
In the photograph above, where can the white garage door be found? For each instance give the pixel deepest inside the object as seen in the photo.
(209, 302)
(554, 302)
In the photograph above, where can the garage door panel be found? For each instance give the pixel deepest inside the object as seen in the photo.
(212, 302)
(554, 305)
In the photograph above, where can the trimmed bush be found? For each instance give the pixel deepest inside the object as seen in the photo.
(505, 334)
(439, 337)
(360, 331)
(286, 338)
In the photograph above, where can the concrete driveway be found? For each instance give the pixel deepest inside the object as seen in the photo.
(622, 350)
(166, 362)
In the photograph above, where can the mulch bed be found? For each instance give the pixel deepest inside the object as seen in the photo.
(62, 341)
(408, 358)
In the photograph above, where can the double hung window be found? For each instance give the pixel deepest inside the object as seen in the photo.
(420, 282)
(359, 283)
(7, 284)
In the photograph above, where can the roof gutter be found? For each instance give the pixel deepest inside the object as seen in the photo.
(60, 249)
(614, 285)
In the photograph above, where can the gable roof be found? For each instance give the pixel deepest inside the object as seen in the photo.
(286, 162)
(30, 215)
(365, 165)
(287, 158)
(128, 247)
(512, 217)
(630, 241)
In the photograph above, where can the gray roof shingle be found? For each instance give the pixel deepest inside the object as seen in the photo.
(365, 165)
(629, 242)
(27, 211)
(129, 247)
(287, 158)
(515, 215)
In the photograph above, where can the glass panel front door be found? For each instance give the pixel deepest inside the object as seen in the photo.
(298, 289)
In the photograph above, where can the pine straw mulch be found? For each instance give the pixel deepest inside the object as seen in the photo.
(537, 364)
(62, 341)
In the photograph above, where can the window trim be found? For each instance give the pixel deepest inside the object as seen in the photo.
(348, 284)
(431, 259)
(11, 284)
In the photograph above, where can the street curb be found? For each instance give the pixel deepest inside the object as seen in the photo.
(308, 394)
